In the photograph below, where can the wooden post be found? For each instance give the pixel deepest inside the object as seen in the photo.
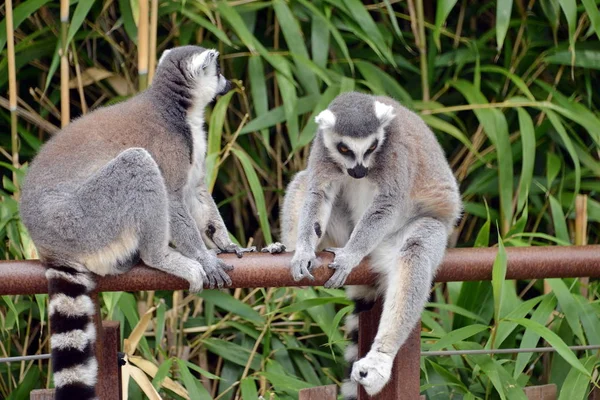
(404, 383)
(319, 393)
(542, 392)
(107, 347)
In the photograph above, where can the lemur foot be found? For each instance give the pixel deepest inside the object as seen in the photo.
(343, 263)
(302, 263)
(216, 270)
(274, 248)
(234, 248)
(373, 371)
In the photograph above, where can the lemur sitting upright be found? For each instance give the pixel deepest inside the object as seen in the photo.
(117, 185)
(378, 185)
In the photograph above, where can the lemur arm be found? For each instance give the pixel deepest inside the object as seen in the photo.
(377, 222)
(211, 224)
(311, 226)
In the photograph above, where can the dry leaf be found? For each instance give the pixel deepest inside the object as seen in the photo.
(151, 369)
(144, 383)
(89, 76)
(120, 85)
(130, 344)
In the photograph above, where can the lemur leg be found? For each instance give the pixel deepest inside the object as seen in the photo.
(210, 223)
(408, 282)
(188, 241)
(131, 189)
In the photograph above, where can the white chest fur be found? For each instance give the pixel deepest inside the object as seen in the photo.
(358, 195)
(196, 174)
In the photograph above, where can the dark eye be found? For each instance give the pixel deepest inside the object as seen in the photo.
(343, 149)
(372, 148)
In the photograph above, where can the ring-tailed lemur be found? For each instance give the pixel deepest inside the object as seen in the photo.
(378, 185)
(116, 186)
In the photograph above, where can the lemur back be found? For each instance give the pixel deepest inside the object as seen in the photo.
(116, 186)
(377, 184)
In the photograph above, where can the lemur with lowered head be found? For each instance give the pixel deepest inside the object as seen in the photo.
(116, 186)
(378, 185)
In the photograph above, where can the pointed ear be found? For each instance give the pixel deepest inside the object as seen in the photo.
(385, 113)
(199, 62)
(163, 56)
(325, 119)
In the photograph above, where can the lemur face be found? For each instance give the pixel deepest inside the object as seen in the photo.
(355, 152)
(201, 67)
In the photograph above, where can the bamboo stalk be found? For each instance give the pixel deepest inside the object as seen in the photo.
(143, 45)
(423, 50)
(12, 90)
(153, 38)
(65, 111)
(581, 233)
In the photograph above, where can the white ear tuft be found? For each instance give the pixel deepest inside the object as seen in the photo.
(164, 54)
(325, 119)
(385, 113)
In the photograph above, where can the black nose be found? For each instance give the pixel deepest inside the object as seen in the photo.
(360, 171)
(226, 88)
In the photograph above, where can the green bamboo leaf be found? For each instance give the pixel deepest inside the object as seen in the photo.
(506, 328)
(258, 89)
(229, 303)
(446, 127)
(319, 42)
(248, 388)
(483, 237)
(194, 388)
(498, 279)
(569, 8)
(584, 58)
(383, 83)
(443, 10)
(496, 128)
(334, 31)
(363, 19)
(201, 371)
(286, 383)
(517, 80)
(457, 310)
(591, 8)
(20, 13)
(566, 141)
(295, 41)
(528, 149)
(569, 306)
(314, 302)
(206, 24)
(288, 92)
(217, 120)
(126, 10)
(163, 371)
(576, 384)
(238, 25)
(551, 9)
(503, 12)
(530, 338)
(458, 335)
(232, 352)
(277, 115)
(12, 308)
(558, 217)
(555, 341)
(81, 11)
(257, 192)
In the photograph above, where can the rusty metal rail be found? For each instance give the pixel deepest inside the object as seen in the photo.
(265, 270)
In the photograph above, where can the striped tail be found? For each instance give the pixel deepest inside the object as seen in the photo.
(71, 313)
(364, 299)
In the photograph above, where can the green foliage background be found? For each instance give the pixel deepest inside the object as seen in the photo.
(511, 90)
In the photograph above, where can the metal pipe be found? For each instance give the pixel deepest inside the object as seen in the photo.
(504, 351)
(266, 270)
(423, 353)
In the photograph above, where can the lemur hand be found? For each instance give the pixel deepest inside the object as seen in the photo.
(234, 248)
(215, 269)
(302, 263)
(274, 248)
(343, 263)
